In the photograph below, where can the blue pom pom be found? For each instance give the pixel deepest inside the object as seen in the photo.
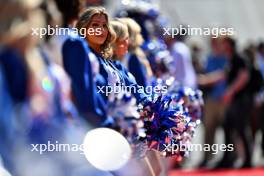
(170, 120)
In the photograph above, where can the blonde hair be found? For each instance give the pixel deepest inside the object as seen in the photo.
(120, 29)
(84, 22)
(134, 31)
(136, 40)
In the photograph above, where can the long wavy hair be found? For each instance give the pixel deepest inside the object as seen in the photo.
(134, 31)
(121, 32)
(84, 22)
(136, 40)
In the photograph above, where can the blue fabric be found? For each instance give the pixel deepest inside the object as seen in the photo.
(139, 95)
(6, 130)
(216, 63)
(123, 72)
(76, 62)
(260, 62)
(16, 74)
(137, 70)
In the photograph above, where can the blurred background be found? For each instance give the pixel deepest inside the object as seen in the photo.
(37, 105)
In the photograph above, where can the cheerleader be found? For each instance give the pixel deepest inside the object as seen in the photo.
(137, 62)
(76, 60)
(124, 107)
(96, 17)
(114, 73)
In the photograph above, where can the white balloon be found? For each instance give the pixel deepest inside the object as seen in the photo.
(106, 149)
(3, 172)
